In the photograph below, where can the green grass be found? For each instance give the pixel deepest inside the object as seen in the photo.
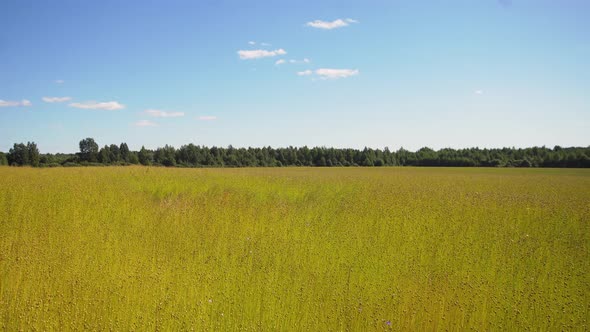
(134, 248)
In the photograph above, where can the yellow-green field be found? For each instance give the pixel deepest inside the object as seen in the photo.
(137, 248)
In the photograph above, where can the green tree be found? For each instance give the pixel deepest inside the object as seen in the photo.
(165, 156)
(88, 150)
(124, 151)
(104, 155)
(33, 154)
(18, 155)
(3, 159)
(133, 158)
(114, 155)
(144, 156)
(367, 157)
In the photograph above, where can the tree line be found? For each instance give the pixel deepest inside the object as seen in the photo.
(201, 156)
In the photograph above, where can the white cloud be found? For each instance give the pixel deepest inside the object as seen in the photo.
(207, 118)
(280, 62)
(145, 123)
(339, 23)
(9, 103)
(478, 92)
(94, 105)
(56, 99)
(304, 73)
(305, 60)
(59, 81)
(326, 73)
(163, 114)
(261, 44)
(257, 54)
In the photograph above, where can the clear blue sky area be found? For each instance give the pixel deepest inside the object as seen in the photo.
(483, 73)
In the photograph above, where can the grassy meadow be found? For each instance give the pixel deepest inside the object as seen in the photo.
(305, 249)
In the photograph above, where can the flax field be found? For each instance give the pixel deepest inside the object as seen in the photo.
(294, 249)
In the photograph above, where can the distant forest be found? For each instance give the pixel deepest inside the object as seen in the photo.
(200, 156)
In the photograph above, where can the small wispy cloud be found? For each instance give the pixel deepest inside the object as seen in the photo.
(94, 105)
(145, 123)
(9, 103)
(478, 92)
(163, 114)
(305, 60)
(305, 73)
(207, 117)
(327, 25)
(56, 99)
(59, 81)
(330, 74)
(261, 43)
(292, 61)
(257, 54)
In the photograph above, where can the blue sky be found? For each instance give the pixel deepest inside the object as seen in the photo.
(483, 73)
